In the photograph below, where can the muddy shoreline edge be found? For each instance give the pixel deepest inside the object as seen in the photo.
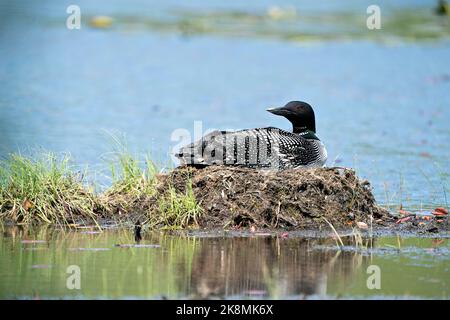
(229, 198)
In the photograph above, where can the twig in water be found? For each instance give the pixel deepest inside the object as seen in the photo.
(337, 234)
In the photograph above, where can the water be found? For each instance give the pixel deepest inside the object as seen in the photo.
(218, 265)
(382, 103)
(381, 97)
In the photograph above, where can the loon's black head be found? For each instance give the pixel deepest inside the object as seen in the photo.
(299, 113)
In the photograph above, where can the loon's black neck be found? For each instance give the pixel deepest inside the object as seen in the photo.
(305, 133)
(303, 124)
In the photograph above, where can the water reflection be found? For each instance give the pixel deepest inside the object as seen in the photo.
(268, 267)
(171, 266)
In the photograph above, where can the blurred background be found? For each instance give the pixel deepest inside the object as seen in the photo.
(145, 68)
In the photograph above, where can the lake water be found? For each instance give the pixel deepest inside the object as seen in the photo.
(382, 97)
(34, 265)
(382, 104)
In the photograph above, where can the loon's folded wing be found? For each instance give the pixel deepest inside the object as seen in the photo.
(261, 147)
(194, 153)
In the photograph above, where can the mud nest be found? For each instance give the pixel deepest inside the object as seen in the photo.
(292, 198)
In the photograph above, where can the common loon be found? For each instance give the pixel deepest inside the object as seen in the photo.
(269, 147)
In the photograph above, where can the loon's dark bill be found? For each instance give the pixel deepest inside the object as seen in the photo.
(279, 111)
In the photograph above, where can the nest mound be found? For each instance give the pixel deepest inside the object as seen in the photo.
(306, 198)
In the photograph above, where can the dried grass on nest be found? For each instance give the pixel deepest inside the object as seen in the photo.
(291, 198)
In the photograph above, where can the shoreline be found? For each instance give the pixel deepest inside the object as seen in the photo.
(48, 192)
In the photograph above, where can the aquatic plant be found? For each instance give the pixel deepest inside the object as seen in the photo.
(132, 180)
(177, 210)
(137, 187)
(127, 174)
(358, 239)
(338, 238)
(44, 189)
(47, 189)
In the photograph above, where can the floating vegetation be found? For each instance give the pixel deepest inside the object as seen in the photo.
(101, 22)
(295, 25)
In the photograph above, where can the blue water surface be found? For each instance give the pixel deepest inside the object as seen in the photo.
(381, 108)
